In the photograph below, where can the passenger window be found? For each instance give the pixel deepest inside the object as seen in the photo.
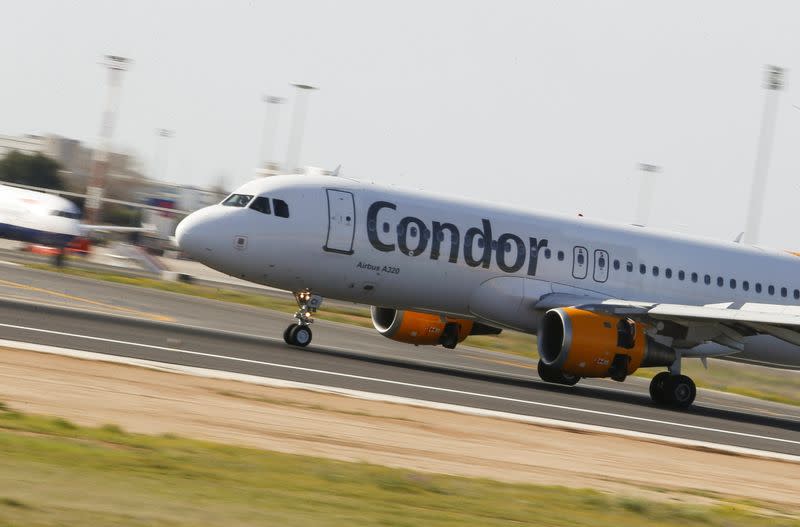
(281, 208)
(733, 283)
(629, 267)
(797, 294)
(784, 292)
(694, 277)
(237, 200)
(771, 290)
(746, 285)
(548, 253)
(413, 232)
(668, 272)
(642, 269)
(481, 243)
(371, 225)
(681, 275)
(720, 281)
(655, 270)
(758, 288)
(707, 279)
(560, 256)
(261, 204)
(508, 247)
(581, 258)
(616, 265)
(387, 227)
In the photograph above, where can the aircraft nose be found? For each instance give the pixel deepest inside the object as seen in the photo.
(189, 234)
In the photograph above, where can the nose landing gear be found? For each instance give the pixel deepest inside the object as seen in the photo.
(299, 333)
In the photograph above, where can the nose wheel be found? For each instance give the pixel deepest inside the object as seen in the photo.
(299, 333)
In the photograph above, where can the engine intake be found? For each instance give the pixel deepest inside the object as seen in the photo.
(589, 344)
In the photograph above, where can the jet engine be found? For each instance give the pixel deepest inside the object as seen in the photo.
(587, 344)
(425, 329)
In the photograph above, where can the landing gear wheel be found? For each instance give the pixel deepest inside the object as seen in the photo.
(556, 376)
(657, 387)
(300, 335)
(449, 337)
(680, 391)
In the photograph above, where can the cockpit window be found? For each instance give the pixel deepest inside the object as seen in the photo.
(237, 200)
(66, 214)
(281, 208)
(261, 204)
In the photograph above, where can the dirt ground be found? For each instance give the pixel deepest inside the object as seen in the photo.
(339, 427)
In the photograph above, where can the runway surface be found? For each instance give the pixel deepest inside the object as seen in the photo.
(65, 311)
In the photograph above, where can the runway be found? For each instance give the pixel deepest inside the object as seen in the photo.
(77, 313)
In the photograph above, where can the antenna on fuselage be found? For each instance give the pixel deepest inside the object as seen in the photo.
(335, 173)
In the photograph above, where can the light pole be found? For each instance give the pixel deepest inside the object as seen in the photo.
(268, 135)
(298, 122)
(646, 189)
(94, 190)
(773, 83)
(162, 158)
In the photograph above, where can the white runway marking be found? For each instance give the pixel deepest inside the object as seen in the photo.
(410, 385)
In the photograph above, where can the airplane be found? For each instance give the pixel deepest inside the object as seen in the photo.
(603, 299)
(45, 219)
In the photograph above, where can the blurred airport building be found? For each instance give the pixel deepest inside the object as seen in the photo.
(125, 180)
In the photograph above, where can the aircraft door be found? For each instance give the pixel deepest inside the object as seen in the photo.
(580, 262)
(600, 266)
(341, 222)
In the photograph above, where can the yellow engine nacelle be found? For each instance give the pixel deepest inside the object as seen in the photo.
(423, 329)
(588, 344)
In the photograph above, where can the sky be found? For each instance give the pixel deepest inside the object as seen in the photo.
(550, 105)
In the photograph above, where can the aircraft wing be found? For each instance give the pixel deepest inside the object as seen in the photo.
(724, 323)
(86, 228)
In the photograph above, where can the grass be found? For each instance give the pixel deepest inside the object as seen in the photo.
(752, 381)
(56, 474)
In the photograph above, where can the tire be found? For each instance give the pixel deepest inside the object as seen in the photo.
(449, 338)
(552, 375)
(300, 336)
(286, 332)
(680, 391)
(568, 379)
(657, 392)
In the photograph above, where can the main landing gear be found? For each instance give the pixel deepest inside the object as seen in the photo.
(670, 389)
(299, 333)
(556, 376)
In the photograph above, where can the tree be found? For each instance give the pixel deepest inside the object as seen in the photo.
(35, 170)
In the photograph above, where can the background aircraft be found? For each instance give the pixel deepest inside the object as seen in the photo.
(45, 219)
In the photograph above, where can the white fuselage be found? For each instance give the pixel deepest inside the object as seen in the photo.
(37, 217)
(388, 247)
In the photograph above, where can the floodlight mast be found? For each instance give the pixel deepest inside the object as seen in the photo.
(298, 123)
(646, 191)
(773, 83)
(268, 133)
(100, 159)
